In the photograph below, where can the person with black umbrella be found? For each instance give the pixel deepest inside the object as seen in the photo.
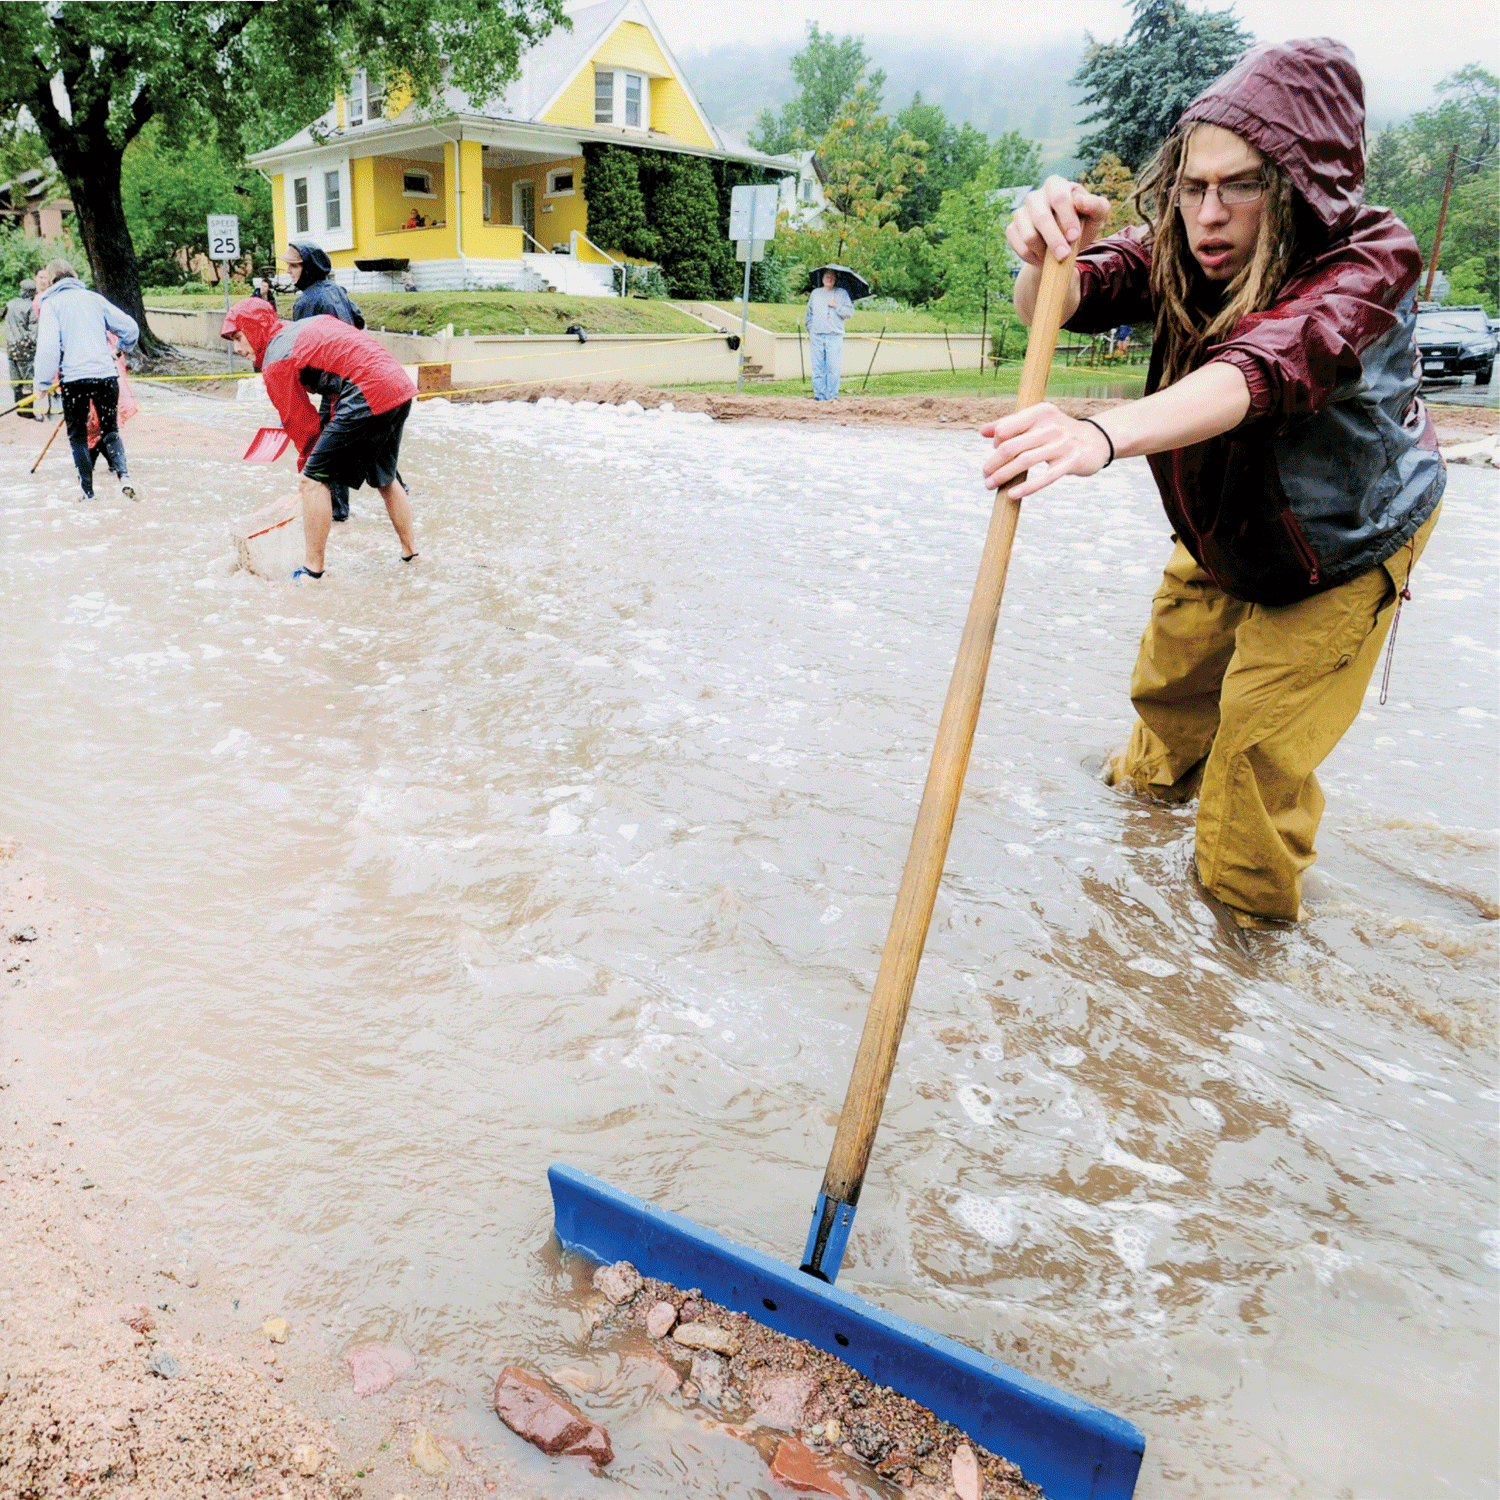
(829, 307)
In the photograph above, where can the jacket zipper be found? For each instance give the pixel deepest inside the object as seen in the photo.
(1304, 551)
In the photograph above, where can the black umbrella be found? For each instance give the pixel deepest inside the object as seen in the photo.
(851, 281)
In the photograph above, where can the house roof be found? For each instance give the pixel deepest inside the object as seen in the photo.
(547, 69)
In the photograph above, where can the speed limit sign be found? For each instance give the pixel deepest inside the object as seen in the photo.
(223, 237)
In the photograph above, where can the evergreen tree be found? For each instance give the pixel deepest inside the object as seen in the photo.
(1139, 88)
(827, 73)
(683, 208)
(616, 204)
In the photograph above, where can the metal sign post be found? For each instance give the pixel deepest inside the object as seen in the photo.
(752, 221)
(224, 246)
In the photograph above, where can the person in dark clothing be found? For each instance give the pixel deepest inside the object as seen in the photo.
(264, 292)
(1297, 465)
(20, 341)
(319, 295)
(371, 396)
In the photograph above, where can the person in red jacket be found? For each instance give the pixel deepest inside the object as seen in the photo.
(1297, 465)
(371, 397)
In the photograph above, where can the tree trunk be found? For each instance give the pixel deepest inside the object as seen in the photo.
(93, 179)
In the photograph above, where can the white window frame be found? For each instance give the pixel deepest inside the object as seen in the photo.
(422, 172)
(489, 204)
(341, 235)
(354, 105)
(557, 192)
(333, 199)
(619, 90)
(299, 214)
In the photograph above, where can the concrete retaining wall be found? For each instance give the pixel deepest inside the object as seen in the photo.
(780, 357)
(512, 359)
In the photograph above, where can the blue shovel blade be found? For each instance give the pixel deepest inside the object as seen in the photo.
(1073, 1450)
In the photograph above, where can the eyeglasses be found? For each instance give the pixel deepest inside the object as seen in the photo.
(1231, 194)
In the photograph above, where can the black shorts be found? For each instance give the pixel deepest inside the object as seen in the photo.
(357, 447)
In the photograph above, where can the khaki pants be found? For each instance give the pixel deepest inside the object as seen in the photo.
(1240, 703)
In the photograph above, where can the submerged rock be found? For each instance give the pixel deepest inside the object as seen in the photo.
(376, 1369)
(799, 1468)
(276, 1329)
(534, 1411)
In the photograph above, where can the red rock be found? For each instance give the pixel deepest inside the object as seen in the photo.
(780, 1400)
(799, 1468)
(376, 1369)
(534, 1411)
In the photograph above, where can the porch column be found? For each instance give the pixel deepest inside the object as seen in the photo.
(471, 180)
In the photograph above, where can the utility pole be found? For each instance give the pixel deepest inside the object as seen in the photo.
(1437, 239)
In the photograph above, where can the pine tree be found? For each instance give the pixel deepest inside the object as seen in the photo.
(1139, 88)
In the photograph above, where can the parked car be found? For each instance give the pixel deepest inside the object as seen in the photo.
(1455, 341)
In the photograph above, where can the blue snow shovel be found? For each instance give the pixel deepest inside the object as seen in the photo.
(1073, 1450)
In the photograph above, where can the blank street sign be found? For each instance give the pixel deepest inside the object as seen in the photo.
(752, 211)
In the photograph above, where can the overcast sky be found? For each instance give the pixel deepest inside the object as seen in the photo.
(1402, 48)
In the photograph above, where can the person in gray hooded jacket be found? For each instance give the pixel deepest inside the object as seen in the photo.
(73, 340)
(20, 341)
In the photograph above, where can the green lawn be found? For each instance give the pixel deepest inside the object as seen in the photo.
(787, 317)
(1127, 380)
(492, 312)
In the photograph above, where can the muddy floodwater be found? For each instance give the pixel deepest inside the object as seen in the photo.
(578, 841)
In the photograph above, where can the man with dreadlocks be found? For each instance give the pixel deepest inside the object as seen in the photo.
(1298, 468)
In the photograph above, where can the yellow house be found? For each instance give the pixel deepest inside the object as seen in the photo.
(494, 197)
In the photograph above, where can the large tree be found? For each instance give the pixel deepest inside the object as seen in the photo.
(954, 155)
(827, 73)
(1408, 170)
(93, 76)
(1137, 88)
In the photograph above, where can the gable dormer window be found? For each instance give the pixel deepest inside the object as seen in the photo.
(365, 103)
(622, 98)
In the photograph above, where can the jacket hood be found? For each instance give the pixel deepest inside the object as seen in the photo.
(1302, 105)
(316, 266)
(257, 320)
(62, 285)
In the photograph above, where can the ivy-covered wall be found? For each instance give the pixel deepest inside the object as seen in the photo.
(669, 208)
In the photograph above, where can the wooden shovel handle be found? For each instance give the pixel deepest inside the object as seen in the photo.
(891, 997)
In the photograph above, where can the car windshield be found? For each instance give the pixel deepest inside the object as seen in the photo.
(1453, 320)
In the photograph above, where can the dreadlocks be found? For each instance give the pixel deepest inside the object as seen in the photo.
(1182, 333)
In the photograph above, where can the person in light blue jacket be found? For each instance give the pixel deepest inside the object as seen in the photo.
(828, 309)
(72, 338)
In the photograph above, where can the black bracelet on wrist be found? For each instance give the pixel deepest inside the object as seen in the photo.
(1107, 438)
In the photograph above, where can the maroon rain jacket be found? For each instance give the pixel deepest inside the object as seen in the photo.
(319, 354)
(1335, 466)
